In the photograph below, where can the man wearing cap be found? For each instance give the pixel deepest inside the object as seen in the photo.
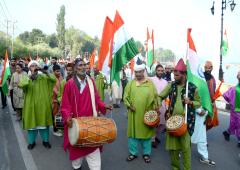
(176, 91)
(76, 102)
(232, 96)
(140, 96)
(37, 112)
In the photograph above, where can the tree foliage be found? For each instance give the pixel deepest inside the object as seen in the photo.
(61, 28)
(34, 37)
(52, 40)
(164, 55)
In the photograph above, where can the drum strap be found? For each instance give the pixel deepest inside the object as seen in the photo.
(92, 94)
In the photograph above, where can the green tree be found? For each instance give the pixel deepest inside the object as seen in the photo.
(52, 40)
(35, 36)
(164, 55)
(88, 46)
(24, 37)
(61, 28)
(3, 44)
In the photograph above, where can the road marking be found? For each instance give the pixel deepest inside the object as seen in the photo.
(26, 154)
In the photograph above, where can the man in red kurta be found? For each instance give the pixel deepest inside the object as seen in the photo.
(76, 102)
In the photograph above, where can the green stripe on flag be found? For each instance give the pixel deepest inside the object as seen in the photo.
(122, 57)
(150, 58)
(202, 90)
(224, 47)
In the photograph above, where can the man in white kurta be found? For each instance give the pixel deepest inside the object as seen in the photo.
(160, 84)
(199, 136)
(116, 94)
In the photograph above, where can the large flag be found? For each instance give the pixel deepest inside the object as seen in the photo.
(195, 74)
(124, 48)
(105, 48)
(149, 49)
(5, 74)
(224, 45)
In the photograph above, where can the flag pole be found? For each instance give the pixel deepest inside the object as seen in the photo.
(186, 93)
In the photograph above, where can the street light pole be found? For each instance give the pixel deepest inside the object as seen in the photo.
(224, 6)
(220, 76)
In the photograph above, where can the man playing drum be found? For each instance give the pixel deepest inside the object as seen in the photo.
(176, 92)
(76, 102)
(140, 96)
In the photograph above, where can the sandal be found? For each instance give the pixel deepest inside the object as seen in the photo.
(131, 157)
(147, 158)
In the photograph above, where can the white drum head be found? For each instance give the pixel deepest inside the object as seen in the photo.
(73, 132)
(174, 122)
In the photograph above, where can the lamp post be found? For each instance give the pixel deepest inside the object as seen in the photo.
(224, 7)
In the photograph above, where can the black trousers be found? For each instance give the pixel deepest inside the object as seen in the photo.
(11, 95)
(3, 98)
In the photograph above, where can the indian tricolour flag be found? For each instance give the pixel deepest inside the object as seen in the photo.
(123, 48)
(224, 45)
(105, 47)
(195, 74)
(149, 49)
(5, 74)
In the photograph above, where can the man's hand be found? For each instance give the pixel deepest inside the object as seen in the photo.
(158, 111)
(69, 122)
(109, 107)
(44, 71)
(202, 113)
(188, 101)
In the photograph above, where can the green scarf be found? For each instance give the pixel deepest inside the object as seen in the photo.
(237, 99)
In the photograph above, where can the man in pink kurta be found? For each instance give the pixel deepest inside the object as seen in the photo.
(76, 102)
(160, 84)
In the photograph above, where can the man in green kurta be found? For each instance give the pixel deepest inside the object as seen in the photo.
(100, 82)
(69, 70)
(176, 91)
(140, 96)
(37, 112)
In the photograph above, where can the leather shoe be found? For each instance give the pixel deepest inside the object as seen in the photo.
(47, 145)
(226, 135)
(31, 146)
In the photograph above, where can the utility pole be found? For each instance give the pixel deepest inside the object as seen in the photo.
(8, 21)
(13, 27)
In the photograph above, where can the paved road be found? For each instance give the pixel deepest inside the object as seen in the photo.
(15, 156)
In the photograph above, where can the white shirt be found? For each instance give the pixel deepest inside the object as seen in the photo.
(82, 84)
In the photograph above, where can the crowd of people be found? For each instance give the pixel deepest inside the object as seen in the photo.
(52, 95)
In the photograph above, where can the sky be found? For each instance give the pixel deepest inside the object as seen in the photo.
(169, 19)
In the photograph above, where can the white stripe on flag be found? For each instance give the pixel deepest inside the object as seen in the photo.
(120, 38)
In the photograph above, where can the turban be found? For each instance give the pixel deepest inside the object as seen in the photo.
(139, 65)
(33, 62)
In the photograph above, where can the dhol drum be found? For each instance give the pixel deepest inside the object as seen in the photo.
(176, 125)
(58, 121)
(92, 131)
(151, 118)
